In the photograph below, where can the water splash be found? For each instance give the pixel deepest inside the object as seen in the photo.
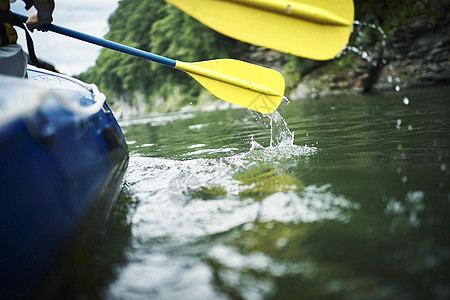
(281, 148)
(280, 135)
(375, 27)
(373, 58)
(393, 79)
(365, 55)
(279, 131)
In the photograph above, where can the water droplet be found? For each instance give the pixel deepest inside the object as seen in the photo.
(404, 179)
(399, 147)
(410, 127)
(406, 101)
(397, 88)
(307, 134)
(443, 167)
(389, 79)
(190, 103)
(399, 123)
(286, 99)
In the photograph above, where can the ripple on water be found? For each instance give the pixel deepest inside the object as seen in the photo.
(221, 214)
(180, 249)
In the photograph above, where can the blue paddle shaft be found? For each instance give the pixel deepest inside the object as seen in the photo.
(105, 43)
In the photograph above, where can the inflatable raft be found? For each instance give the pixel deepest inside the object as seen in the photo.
(62, 163)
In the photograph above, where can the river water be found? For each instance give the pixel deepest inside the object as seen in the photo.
(335, 198)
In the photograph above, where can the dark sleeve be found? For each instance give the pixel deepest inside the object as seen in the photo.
(28, 4)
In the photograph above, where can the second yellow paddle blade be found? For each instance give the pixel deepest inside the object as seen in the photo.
(247, 85)
(307, 28)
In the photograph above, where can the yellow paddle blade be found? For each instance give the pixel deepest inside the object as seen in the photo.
(251, 86)
(316, 29)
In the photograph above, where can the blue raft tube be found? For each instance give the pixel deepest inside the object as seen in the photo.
(63, 158)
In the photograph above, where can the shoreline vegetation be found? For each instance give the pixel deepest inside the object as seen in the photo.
(395, 45)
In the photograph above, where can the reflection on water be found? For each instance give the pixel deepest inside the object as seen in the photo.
(219, 207)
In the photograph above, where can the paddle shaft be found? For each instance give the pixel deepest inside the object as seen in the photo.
(186, 67)
(105, 43)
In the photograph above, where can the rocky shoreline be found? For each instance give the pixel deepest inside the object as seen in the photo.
(416, 55)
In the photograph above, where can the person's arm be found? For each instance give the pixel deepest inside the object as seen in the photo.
(43, 15)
